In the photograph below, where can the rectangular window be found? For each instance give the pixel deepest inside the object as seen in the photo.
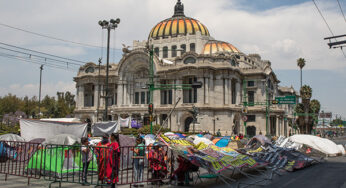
(234, 94)
(165, 52)
(250, 83)
(192, 47)
(137, 98)
(174, 51)
(157, 51)
(142, 97)
(170, 97)
(148, 97)
(251, 118)
(251, 97)
(190, 95)
(183, 47)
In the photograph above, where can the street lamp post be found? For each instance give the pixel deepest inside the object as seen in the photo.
(39, 95)
(112, 24)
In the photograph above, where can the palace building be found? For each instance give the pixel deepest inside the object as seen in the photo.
(185, 52)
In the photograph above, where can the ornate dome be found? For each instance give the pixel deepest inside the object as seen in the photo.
(178, 24)
(214, 46)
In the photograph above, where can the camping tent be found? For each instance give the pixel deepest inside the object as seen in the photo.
(59, 161)
(11, 137)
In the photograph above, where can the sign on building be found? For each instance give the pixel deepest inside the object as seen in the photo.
(325, 115)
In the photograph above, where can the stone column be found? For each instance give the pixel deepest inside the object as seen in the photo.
(102, 93)
(200, 91)
(227, 91)
(179, 92)
(206, 89)
(81, 96)
(211, 90)
(125, 94)
(120, 94)
(238, 91)
(96, 91)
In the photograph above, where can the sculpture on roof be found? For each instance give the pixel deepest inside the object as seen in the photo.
(178, 9)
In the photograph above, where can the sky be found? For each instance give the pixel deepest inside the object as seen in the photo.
(281, 31)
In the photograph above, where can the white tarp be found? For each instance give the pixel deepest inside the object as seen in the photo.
(321, 144)
(100, 128)
(62, 119)
(124, 122)
(62, 139)
(11, 137)
(31, 129)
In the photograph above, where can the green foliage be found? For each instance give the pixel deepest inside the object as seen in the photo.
(301, 62)
(4, 129)
(306, 92)
(50, 107)
(315, 106)
(299, 108)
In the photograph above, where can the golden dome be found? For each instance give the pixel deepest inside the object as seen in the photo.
(214, 46)
(178, 24)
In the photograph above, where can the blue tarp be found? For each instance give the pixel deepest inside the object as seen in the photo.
(200, 135)
(180, 135)
(222, 142)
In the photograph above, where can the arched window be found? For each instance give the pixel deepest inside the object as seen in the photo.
(89, 69)
(233, 63)
(174, 51)
(165, 52)
(192, 47)
(191, 60)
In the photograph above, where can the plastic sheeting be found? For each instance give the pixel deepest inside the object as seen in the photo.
(124, 122)
(62, 139)
(31, 129)
(321, 144)
(100, 128)
(12, 137)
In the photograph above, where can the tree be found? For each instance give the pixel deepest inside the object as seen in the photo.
(301, 64)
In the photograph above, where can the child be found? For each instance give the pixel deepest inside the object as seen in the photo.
(86, 158)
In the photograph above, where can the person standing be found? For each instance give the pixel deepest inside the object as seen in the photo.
(112, 168)
(102, 156)
(86, 158)
(138, 161)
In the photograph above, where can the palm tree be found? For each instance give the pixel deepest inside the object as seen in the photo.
(301, 64)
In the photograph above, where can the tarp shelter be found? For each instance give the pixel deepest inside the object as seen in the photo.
(258, 138)
(321, 144)
(71, 120)
(59, 161)
(31, 129)
(223, 142)
(62, 139)
(100, 128)
(11, 137)
(124, 122)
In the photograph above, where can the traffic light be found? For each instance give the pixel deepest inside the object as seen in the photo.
(151, 108)
(275, 102)
(244, 110)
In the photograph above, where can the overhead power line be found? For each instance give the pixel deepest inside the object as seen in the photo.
(325, 21)
(35, 62)
(51, 37)
(46, 58)
(342, 12)
(13, 46)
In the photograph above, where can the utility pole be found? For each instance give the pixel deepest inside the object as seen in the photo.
(112, 24)
(39, 95)
(98, 92)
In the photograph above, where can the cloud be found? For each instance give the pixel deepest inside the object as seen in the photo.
(33, 89)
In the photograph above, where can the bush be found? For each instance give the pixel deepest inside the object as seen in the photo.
(6, 129)
(146, 129)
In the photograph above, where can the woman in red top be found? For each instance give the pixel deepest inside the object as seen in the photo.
(157, 163)
(102, 155)
(113, 162)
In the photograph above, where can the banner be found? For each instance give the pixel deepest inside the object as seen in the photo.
(124, 122)
(31, 129)
(100, 128)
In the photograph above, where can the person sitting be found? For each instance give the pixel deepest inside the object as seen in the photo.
(182, 172)
(157, 163)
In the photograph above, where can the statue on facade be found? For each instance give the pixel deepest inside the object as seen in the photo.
(178, 9)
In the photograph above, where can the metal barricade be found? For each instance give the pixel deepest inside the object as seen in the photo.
(15, 157)
(90, 165)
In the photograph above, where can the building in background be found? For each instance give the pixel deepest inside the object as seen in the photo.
(186, 52)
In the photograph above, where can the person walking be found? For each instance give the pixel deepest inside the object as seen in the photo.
(138, 161)
(86, 158)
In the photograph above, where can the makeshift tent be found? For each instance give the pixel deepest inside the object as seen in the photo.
(100, 128)
(31, 129)
(62, 139)
(124, 122)
(11, 137)
(323, 145)
(26, 150)
(223, 142)
(7, 152)
(258, 139)
(62, 119)
(59, 161)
